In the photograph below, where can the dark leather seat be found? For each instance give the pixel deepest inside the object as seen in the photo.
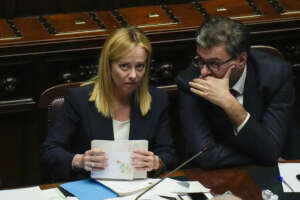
(52, 99)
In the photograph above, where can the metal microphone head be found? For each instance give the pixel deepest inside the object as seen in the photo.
(208, 147)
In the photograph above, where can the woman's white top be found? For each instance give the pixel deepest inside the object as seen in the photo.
(121, 129)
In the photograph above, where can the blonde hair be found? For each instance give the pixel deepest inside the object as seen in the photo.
(118, 45)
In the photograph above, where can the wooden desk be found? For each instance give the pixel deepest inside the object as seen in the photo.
(234, 179)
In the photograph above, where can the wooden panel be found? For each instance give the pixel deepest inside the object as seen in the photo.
(73, 23)
(188, 15)
(143, 17)
(108, 20)
(290, 6)
(6, 32)
(31, 29)
(229, 8)
(271, 12)
(11, 148)
(38, 7)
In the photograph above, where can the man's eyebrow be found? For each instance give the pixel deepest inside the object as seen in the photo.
(211, 59)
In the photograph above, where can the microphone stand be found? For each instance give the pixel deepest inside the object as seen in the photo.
(206, 148)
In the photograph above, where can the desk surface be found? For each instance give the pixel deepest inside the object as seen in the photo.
(221, 180)
(234, 179)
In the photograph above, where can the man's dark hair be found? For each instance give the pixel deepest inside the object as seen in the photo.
(217, 31)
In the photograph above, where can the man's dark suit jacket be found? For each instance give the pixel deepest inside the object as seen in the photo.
(268, 97)
(79, 122)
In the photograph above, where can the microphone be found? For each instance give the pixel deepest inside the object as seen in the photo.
(206, 148)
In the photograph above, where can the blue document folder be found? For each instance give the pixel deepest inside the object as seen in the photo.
(88, 190)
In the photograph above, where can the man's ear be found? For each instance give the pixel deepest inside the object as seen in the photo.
(243, 59)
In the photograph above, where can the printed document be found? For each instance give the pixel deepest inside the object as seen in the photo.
(119, 159)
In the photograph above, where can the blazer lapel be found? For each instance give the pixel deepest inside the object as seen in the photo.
(100, 127)
(137, 124)
(253, 98)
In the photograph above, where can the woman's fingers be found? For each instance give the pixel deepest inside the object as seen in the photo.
(94, 159)
(143, 160)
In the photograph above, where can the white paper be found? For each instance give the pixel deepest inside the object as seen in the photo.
(119, 150)
(288, 172)
(171, 185)
(31, 193)
(167, 187)
(128, 187)
(53, 194)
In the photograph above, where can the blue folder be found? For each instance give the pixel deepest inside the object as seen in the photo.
(88, 190)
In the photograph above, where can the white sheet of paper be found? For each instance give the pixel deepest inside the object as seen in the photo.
(109, 146)
(125, 187)
(168, 187)
(119, 167)
(288, 172)
(171, 185)
(31, 193)
(53, 194)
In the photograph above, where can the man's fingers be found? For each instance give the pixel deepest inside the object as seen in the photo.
(198, 86)
(198, 92)
(228, 73)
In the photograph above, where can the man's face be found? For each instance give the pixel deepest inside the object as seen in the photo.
(216, 62)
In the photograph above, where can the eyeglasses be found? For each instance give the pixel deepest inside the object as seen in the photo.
(213, 66)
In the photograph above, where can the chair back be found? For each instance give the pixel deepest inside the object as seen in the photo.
(52, 99)
(268, 49)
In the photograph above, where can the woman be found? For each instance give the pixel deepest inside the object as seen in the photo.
(116, 104)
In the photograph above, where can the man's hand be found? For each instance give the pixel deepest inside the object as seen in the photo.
(215, 90)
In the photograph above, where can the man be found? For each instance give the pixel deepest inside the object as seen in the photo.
(238, 99)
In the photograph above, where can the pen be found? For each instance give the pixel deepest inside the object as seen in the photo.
(284, 182)
(166, 197)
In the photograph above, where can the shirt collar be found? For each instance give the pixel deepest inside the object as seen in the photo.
(239, 85)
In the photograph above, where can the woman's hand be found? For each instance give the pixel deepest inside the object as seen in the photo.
(91, 159)
(145, 160)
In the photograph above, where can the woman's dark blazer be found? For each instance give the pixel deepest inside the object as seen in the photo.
(79, 122)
